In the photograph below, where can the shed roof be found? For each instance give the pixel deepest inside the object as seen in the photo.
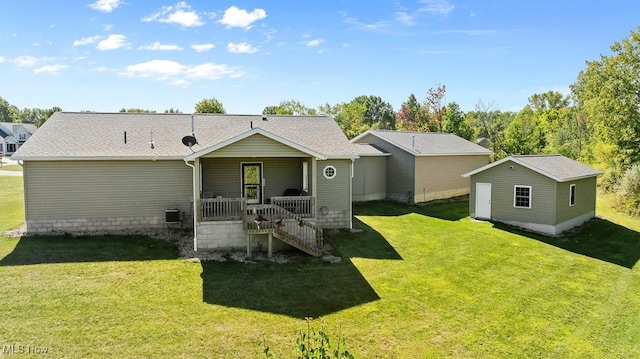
(427, 143)
(90, 135)
(556, 167)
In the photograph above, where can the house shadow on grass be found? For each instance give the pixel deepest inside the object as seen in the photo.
(598, 238)
(450, 210)
(365, 242)
(68, 249)
(299, 289)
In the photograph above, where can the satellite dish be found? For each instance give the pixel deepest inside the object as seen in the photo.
(189, 141)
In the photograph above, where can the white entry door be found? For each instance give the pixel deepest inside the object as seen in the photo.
(483, 200)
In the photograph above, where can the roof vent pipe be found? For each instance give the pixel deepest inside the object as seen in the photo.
(192, 126)
(264, 118)
(251, 124)
(413, 142)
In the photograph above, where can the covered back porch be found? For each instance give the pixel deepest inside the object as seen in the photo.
(248, 201)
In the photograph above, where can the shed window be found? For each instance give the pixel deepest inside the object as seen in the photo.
(329, 172)
(572, 195)
(522, 196)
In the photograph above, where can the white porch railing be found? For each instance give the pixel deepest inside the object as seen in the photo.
(221, 209)
(301, 205)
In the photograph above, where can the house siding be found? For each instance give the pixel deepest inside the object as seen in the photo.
(585, 199)
(439, 177)
(370, 178)
(333, 194)
(503, 179)
(77, 196)
(222, 176)
(256, 146)
(400, 170)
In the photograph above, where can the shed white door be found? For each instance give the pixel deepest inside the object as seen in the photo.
(483, 200)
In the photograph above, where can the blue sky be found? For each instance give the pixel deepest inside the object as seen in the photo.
(108, 54)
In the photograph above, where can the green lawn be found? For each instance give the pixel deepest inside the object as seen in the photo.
(6, 167)
(418, 281)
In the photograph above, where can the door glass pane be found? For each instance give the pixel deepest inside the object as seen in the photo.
(251, 174)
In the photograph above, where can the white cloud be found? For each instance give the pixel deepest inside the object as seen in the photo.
(314, 43)
(241, 48)
(86, 40)
(176, 15)
(235, 17)
(203, 47)
(105, 5)
(353, 21)
(442, 7)
(50, 69)
(1, 59)
(162, 47)
(100, 69)
(113, 42)
(178, 74)
(107, 27)
(25, 61)
(404, 18)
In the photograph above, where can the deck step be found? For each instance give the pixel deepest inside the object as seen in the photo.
(295, 242)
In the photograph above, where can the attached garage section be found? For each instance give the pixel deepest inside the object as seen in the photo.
(107, 195)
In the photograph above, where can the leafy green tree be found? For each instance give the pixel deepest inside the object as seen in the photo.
(378, 113)
(8, 112)
(210, 105)
(291, 107)
(549, 100)
(350, 116)
(454, 121)
(172, 110)
(37, 116)
(138, 110)
(412, 116)
(608, 91)
(276, 110)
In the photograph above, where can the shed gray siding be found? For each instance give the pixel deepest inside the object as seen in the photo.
(333, 194)
(439, 177)
(585, 199)
(370, 178)
(222, 176)
(503, 179)
(103, 195)
(400, 170)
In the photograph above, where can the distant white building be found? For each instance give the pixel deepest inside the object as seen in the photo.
(13, 135)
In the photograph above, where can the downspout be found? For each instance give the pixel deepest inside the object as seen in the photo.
(195, 205)
(353, 161)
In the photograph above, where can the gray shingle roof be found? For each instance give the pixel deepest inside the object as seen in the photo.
(429, 143)
(101, 135)
(557, 167)
(366, 149)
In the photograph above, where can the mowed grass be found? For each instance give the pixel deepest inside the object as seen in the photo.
(418, 281)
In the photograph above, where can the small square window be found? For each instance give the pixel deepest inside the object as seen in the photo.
(329, 172)
(522, 196)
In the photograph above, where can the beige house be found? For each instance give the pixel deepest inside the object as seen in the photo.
(542, 193)
(419, 166)
(237, 180)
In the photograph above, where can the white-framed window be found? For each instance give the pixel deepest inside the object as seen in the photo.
(329, 172)
(572, 195)
(522, 196)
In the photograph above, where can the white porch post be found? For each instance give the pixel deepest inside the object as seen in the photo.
(314, 185)
(196, 197)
